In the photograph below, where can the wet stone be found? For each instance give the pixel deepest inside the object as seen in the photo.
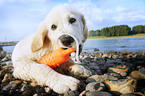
(3, 72)
(122, 86)
(137, 74)
(2, 54)
(12, 85)
(123, 74)
(6, 58)
(95, 86)
(7, 78)
(128, 94)
(47, 89)
(117, 76)
(119, 69)
(28, 90)
(95, 93)
(1, 49)
(39, 89)
(72, 93)
(100, 78)
(98, 63)
(96, 49)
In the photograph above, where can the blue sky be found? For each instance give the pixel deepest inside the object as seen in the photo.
(19, 18)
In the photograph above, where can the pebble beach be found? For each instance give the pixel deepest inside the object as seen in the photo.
(113, 74)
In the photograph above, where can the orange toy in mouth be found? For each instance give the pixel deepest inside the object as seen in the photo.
(57, 57)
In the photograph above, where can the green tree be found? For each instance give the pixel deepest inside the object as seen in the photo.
(104, 31)
(138, 29)
(98, 32)
(119, 30)
(144, 28)
(92, 33)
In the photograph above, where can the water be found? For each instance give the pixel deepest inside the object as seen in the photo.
(136, 44)
(8, 49)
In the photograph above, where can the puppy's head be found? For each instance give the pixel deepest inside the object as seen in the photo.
(63, 26)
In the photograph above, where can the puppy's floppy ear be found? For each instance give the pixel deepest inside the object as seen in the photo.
(39, 38)
(85, 29)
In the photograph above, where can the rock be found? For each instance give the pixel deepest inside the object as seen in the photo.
(80, 71)
(140, 57)
(123, 74)
(143, 90)
(84, 54)
(94, 67)
(95, 86)
(105, 55)
(103, 79)
(1, 49)
(6, 58)
(96, 49)
(119, 69)
(7, 78)
(139, 94)
(125, 86)
(112, 52)
(129, 77)
(130, 56)
(128, 94)
(83, 93)
(39, 89)
(97, 55)
(47, 89)
(98, 93)
(28, 90)
(8, 63)
(126, 53)
(115, 75)
(2, 54)
(12, 85)
(95, 78)
(100, 78)
(114, 56)
(3, 72)
(137, 74)
(92, 55)
(71, 93)
(109, 77)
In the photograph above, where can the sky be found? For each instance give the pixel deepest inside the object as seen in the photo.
(19, 18)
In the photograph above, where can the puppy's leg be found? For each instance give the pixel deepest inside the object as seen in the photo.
(44, 75)
(70, 68)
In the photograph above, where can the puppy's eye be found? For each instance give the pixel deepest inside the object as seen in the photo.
(53, 27)
(72, 20)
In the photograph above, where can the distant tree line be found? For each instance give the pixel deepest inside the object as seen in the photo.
(119, 30)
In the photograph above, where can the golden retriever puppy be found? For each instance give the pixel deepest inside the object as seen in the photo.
(62, 27)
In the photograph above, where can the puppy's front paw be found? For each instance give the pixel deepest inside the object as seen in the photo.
(65, 84)
(80, 71)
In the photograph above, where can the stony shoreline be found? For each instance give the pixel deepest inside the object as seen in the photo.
(114, 74)
(8, 43)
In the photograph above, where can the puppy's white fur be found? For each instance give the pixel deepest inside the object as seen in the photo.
(31, 49)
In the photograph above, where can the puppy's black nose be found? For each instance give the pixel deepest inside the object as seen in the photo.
(66, 40)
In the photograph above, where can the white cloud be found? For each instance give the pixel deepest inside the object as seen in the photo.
(6, 1)
(27, 14)
(120, 9)
(100, 13)
(131, 15)
(91, 12)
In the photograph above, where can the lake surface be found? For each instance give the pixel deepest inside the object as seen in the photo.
(8, 49)
(136, 44)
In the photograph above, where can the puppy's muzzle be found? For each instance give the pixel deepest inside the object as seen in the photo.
(66, 40)
(70, 41)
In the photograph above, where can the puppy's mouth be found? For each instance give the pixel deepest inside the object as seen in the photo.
(69, 41)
